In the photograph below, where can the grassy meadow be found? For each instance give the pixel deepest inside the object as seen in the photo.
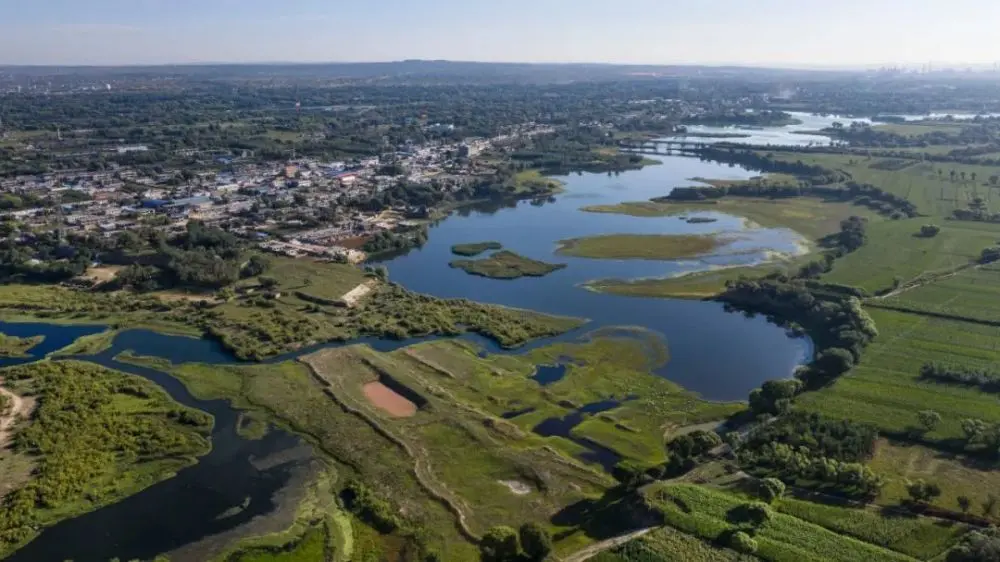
(641, 246)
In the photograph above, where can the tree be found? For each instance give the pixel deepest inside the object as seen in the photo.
(929, 419)
(982, 545)
(770, 489)
(535, 541)
(499, 544)
(973, 176)
(834, 361)
(989, 505)
(964, 503)
(994, 180)
(923, 492)
(268, 283)
(256, 265)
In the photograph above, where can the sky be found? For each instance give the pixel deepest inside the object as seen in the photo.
(788, 33)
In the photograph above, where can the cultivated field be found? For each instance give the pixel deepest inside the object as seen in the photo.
(885, 389)
(895, 250)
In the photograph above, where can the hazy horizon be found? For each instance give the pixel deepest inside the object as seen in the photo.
(814, 34)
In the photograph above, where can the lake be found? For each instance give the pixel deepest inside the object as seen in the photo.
(718, 354)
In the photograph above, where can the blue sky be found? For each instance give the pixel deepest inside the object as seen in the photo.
(759, 32)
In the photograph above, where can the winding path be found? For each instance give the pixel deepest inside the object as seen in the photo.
(18, 407)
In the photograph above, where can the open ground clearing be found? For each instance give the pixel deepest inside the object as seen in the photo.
(381, 396)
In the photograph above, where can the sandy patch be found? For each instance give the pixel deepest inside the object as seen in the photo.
(517, 488)
(102, 274)
(383, 397)
(352, 297)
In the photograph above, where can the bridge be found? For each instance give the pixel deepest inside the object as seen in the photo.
(663, 147)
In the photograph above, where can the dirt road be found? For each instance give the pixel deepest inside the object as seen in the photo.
(597, 548)
(18, 406)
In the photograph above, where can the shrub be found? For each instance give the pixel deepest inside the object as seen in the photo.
(771, 489)
(742, 542)
(752, 515)
(499, 544)
(929, 230)
(535, 541)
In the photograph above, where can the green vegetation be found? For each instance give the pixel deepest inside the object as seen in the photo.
(88, 345)
(302, 305)
(507, 265)
(669, 545)
(895, 254)
(714, 514)
(13, 346)
(641, 246)
(918, 537)
(97, 436)
(474, 248)
(971, 293)
(886, 390)
(532, 182)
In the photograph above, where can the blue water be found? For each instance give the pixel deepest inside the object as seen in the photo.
(718, 354)
(549, 374)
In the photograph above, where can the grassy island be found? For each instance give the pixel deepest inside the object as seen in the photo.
(96, 437)
(474, 248)
(13, 346)
(641, 246)
(507, 265)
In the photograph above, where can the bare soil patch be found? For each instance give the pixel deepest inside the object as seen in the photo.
(386, 399)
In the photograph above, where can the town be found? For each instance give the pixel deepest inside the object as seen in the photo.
(303, 207)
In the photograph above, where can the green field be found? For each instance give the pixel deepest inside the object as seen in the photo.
(670, 545)
(641, 246)
(703, 511)
(918, 128)
(957, 476)
(506, 265)
(971, 293)
(894, 250)
(885, 389)
(933, 193)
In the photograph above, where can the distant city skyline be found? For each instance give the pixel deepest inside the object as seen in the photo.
(775, 33)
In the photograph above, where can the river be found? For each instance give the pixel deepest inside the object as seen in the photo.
(789, 135)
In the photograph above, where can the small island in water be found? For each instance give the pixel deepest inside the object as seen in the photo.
(642, 246)
(475, 248)
(507, 265)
